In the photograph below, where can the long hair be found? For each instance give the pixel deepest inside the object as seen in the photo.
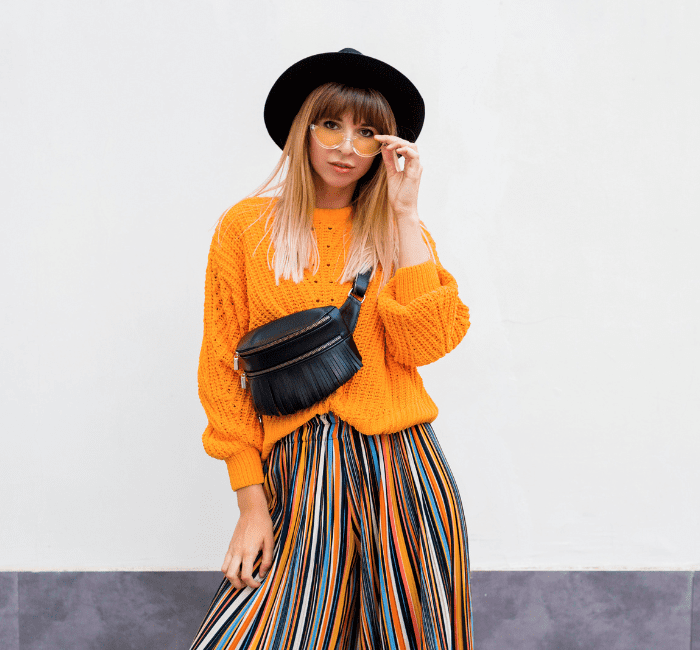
(374, 239)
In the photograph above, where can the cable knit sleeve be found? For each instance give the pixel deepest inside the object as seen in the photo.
(233, 432)
(422, 314)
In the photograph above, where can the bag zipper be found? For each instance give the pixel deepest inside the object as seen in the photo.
(320, 348)
(319, 322)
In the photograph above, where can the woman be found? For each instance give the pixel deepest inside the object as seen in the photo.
(351, 530)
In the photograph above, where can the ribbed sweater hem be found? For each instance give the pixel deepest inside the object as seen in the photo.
(414, 281)
(245, 468)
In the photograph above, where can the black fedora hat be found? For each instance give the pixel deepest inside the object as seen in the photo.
(349, 67)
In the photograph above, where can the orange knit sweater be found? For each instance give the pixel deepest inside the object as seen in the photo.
(416, 319)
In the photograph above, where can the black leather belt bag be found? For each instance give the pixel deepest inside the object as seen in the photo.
(296, 361)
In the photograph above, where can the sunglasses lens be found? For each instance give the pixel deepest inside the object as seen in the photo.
(328, 137)
(367, 146)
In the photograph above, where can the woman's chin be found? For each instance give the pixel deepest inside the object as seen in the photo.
(339, 183)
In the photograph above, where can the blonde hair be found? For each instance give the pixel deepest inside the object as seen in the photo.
(374, 239)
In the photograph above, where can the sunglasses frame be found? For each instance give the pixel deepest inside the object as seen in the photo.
(352, 144)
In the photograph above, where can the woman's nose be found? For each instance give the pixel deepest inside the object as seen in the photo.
(346, 146)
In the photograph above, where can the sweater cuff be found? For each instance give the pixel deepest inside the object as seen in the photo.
(245, 468)
(414, 281)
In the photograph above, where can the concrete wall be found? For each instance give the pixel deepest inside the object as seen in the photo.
(560, 182)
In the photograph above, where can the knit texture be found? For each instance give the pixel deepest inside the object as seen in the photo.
(416, 319)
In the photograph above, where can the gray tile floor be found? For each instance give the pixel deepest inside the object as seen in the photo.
(695, 621)
(112, 610)
(9, 612)
(582, 610)
(513, 610)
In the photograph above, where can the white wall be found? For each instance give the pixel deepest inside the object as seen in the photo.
(560, 181)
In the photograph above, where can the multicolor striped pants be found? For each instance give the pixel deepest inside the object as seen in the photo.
(370, 549)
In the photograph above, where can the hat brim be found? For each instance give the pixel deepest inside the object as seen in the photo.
(358, 70)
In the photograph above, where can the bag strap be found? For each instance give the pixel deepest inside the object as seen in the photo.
(350, 309)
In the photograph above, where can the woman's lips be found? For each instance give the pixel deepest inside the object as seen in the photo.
(340, 169)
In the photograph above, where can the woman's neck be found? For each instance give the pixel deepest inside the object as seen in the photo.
(332, 198)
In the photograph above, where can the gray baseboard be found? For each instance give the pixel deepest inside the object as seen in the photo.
(513, 610)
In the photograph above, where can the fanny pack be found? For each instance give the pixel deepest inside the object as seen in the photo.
(296, 361)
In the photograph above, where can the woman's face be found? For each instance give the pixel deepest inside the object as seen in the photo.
(341, 168)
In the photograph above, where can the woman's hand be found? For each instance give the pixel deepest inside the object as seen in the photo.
(403, 197)
(253, 531)
(402, 185)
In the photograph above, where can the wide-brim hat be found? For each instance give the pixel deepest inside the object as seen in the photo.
(349, 67)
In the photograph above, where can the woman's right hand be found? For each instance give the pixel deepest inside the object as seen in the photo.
(253, 531)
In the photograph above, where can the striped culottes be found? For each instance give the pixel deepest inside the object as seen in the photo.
(370, 549)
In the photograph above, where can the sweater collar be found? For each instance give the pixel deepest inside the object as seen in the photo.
(332, 216)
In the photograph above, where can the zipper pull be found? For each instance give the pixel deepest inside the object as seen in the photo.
(235, 361)
(243, 381)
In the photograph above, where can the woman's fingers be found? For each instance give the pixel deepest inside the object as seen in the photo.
(253, 532)
(394, 143)
(412, 162)
(391, 139)
(391, 160)
(232, 564)
(408, 152)
(240, 571)
(247, 571)
(391, 142)
(227, 561)
(233, 570)
(399, 147)
(268, 546)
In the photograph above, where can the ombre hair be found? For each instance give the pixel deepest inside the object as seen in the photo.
(374, 238)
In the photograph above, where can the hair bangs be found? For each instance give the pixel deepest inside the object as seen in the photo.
(366, 105)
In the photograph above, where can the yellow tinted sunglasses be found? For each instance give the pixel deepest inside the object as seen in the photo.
(362, 145)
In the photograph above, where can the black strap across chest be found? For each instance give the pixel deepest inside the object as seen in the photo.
(350, 309)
